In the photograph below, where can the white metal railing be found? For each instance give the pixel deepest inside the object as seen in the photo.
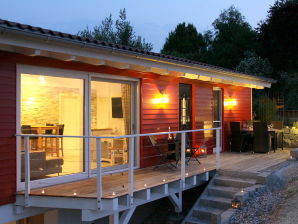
(130, 160)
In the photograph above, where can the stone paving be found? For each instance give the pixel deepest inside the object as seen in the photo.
(291, 137)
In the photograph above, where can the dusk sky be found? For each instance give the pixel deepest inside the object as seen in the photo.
(152, 19)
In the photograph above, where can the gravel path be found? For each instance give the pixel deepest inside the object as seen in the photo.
(288, 213)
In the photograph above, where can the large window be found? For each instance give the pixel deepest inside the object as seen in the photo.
(110, 116)
(53, 106)
(69, 103)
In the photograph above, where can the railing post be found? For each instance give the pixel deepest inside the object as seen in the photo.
(98, 172)
(217, 148)
(183, 138)
(27, 170)
(131, 169)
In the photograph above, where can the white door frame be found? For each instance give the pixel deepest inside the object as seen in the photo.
(220, 113)
(135, 119)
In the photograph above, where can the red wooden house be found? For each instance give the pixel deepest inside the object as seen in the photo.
(52, 83)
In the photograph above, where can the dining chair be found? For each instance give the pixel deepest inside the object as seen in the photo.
(61, 132)
(261, 137)
(191, 152)
(239, 141)
(49, 149)
(165, 157)
(26, 129)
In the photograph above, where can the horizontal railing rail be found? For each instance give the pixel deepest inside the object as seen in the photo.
(120, 136)
(131, 154)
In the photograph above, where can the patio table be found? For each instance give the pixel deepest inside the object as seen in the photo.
(273, 131)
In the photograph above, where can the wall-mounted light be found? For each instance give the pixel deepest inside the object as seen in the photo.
(161, 99)
(230, 103)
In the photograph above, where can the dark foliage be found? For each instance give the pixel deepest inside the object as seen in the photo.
(278, 35)
(186, 42)
(120, 32)
(232, 37)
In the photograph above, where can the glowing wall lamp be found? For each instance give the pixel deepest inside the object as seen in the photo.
(230, 103)
(161, 99)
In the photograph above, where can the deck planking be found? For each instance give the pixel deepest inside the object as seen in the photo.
(115, 185)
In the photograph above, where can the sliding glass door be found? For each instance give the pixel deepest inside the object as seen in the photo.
(111, 115)
(69, 103)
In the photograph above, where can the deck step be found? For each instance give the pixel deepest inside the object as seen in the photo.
(222, 191)
(207, 213)
(215, 202)
(234, 182)
(193, 220)
(238, 174)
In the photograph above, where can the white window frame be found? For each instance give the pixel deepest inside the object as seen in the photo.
(86, 76)
(221, 115)
(135, 120)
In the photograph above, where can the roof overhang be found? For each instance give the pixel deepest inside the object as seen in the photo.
(34, 44)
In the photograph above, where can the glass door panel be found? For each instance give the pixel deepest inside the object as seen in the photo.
(53, 106)
(111, 104)
(217, 110)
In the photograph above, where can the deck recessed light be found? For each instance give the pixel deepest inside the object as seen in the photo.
(164, 180)
(186, 174)
(113, 193)
(74, 193)
(145, 185)
(42, 191)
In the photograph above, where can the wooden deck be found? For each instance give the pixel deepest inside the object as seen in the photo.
(115, 185)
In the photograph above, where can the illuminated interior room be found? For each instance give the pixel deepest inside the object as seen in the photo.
(53, 105)
(110, 116)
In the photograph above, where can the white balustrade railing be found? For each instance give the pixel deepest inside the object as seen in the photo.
(131, 153)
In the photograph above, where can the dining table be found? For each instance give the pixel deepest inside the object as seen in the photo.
(40, 130)
(271, 131)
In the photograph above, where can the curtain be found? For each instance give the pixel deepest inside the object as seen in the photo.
(126, 106)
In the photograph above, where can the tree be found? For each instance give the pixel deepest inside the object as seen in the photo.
(255, 65)
(186, 42)
(120, 32)
(288, 83)
(265, 108)
(232, 36)
(278, 35)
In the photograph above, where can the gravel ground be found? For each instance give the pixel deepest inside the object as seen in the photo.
(277, 204)
(287, 212)
(257, 209)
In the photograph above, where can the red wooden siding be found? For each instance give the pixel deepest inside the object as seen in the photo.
(7, 131)
(203, 114)
(8, 62)
(154, 118)
(240, 112)
(157, 117)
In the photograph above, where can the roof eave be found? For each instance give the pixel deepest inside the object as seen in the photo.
(138, 55)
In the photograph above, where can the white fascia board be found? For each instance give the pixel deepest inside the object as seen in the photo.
(80, 49)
